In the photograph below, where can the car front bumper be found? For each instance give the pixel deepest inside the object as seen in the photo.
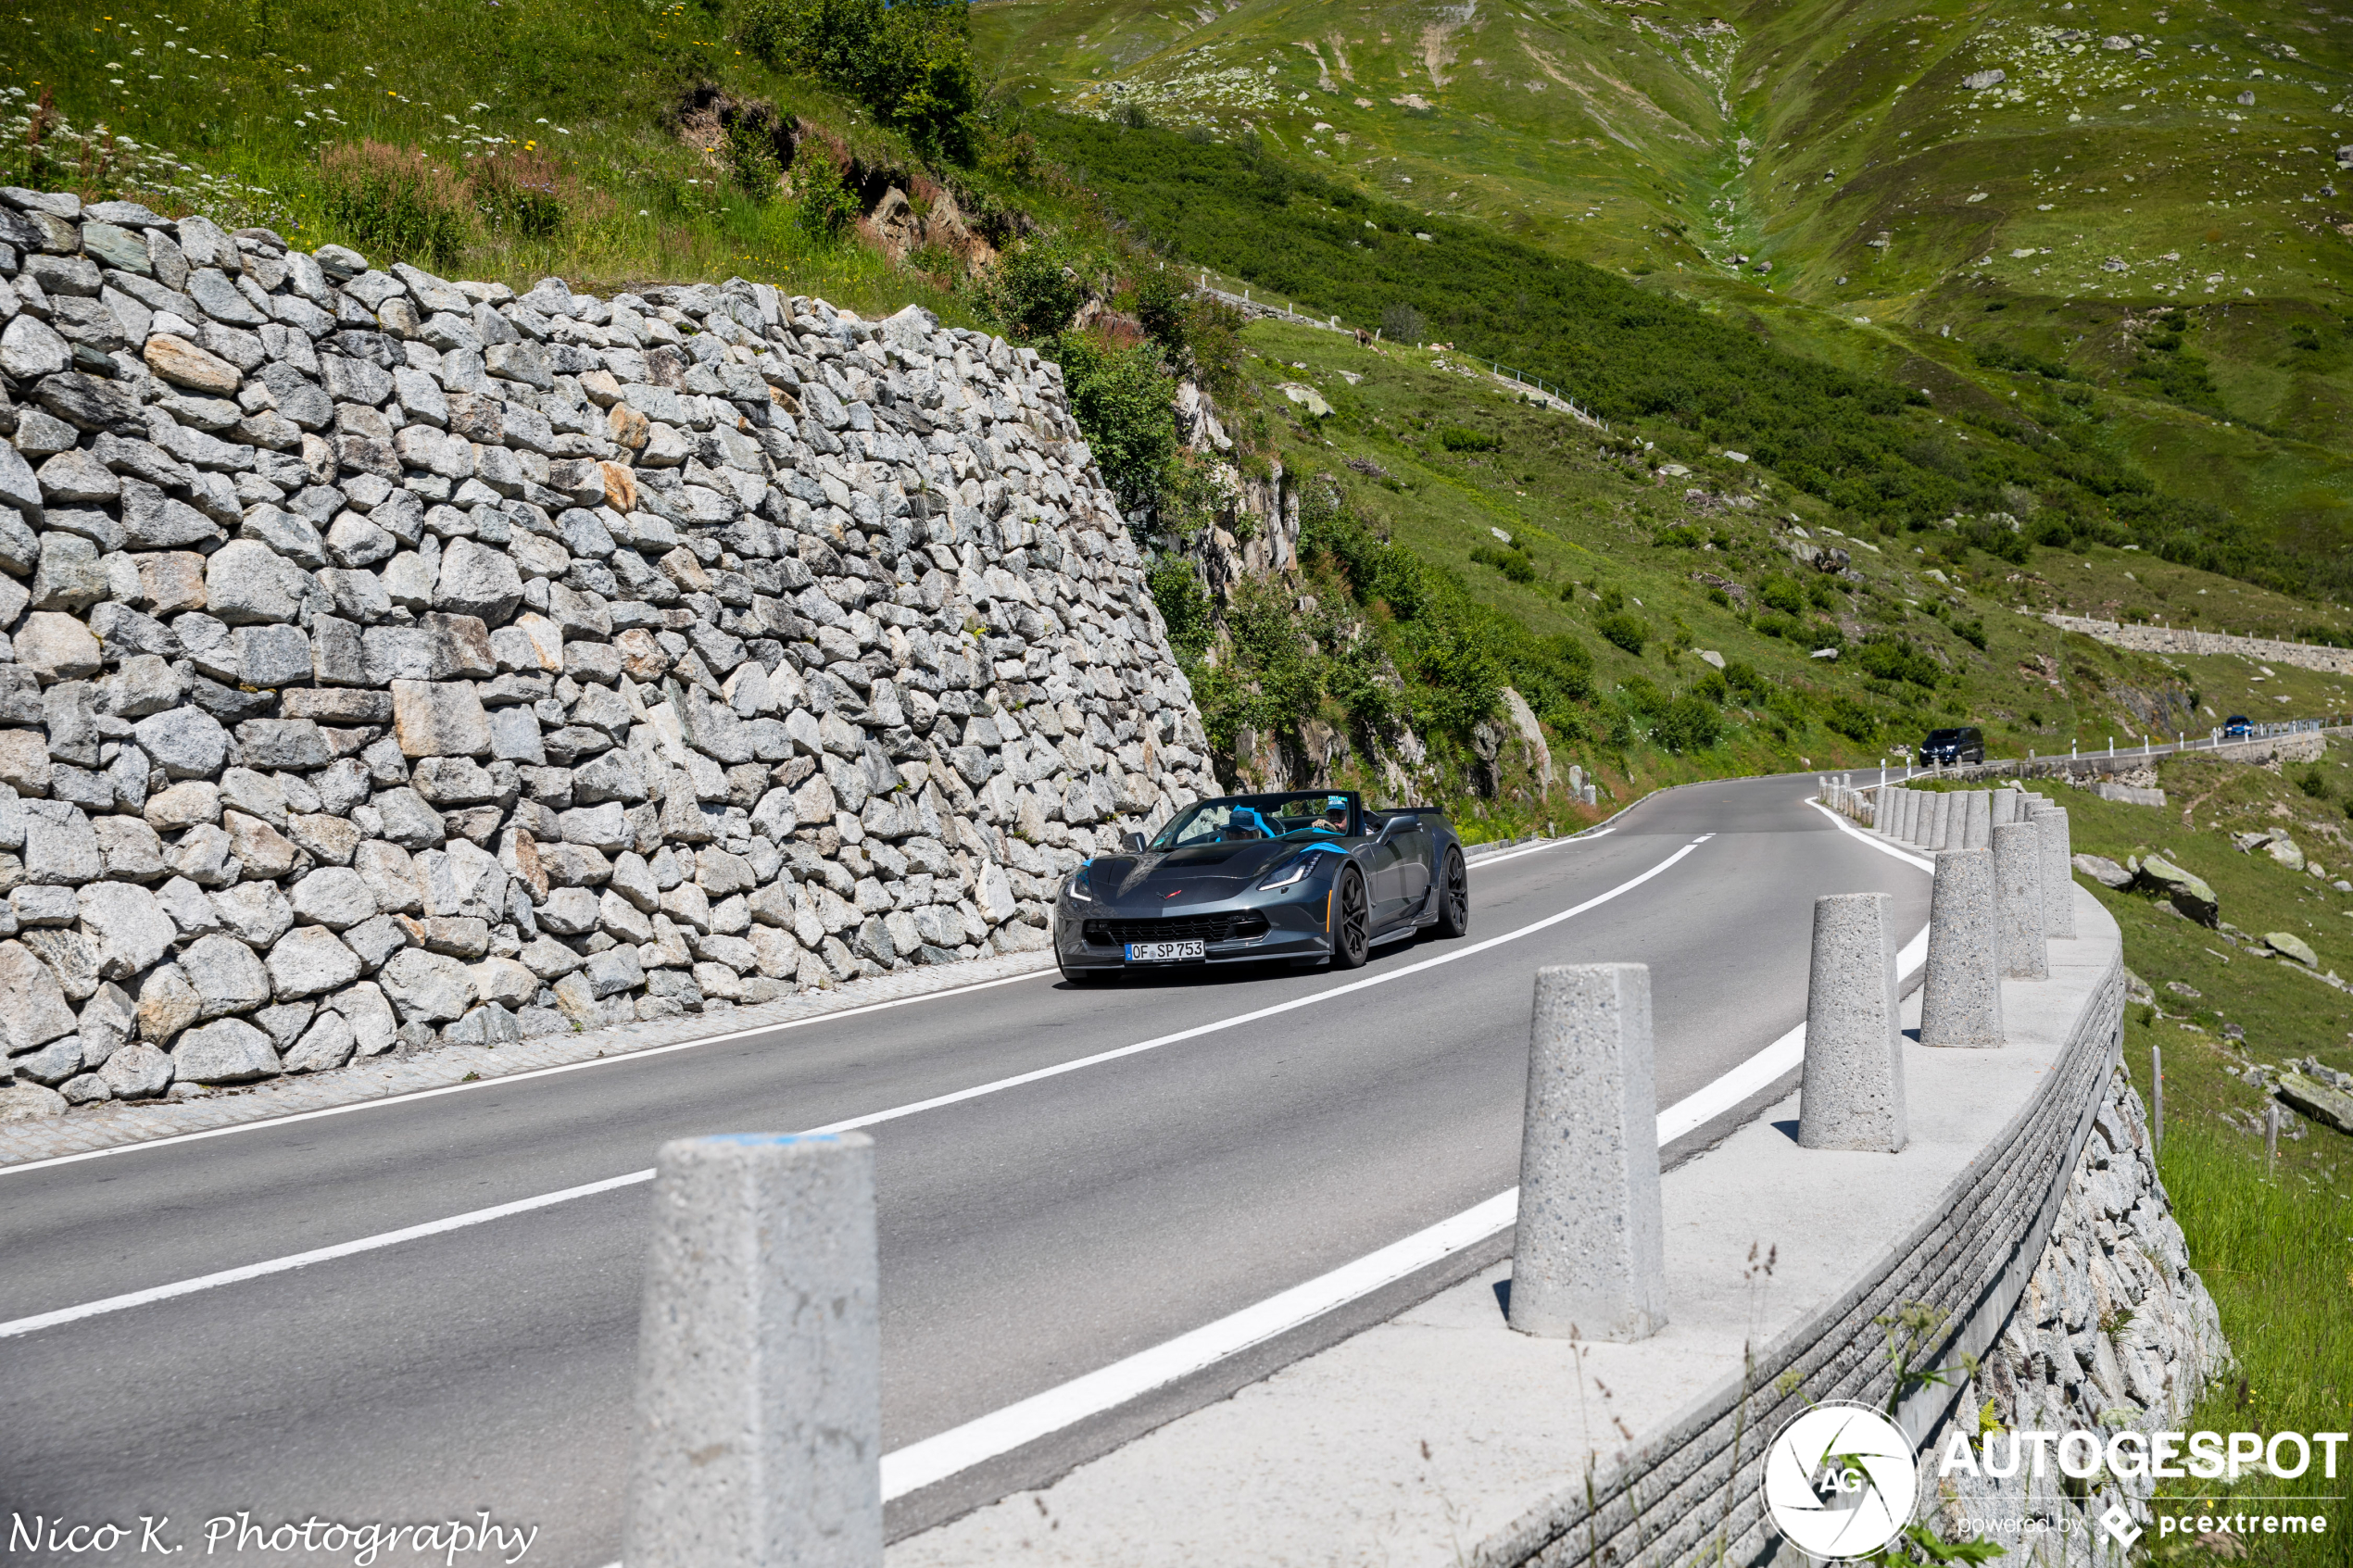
(1256, 927)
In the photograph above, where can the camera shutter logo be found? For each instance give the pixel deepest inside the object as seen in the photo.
(1840, 1481)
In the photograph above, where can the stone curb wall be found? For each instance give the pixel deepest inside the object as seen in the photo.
(2179, 639)
(391, 661)
(2060, 1212)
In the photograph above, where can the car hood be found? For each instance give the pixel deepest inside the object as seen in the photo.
(1201, 874)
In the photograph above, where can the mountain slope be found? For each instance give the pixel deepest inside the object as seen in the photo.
(2110, 211)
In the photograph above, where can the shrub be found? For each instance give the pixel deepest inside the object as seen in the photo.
(1513, 564)
(826, 206)
(1890, 658)
(2315, 782)
(1713, 687)
(1971, 632)
(1744, 682)
(1164, 305)
(1120, 397)
(1851, 719)
(1034, 293)
(1782, 594)
(396, 203)
(1455, 438)
(1401, 323)
(1624, 630)
(1689, 724)
(1184, 605)
(526, 194)
(909, 62)
(1682, 536)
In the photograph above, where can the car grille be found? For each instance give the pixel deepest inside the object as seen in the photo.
(1194, 928)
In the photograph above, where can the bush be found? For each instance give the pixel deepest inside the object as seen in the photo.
(1683, 537)
(395, 204)
(2315, 782)
(1782, 594)
(1625, 630)
(1034, 293)
(1745, 683)
(1851, 719)
(1120, 399)
(909, 62)
(1513, 564)
(1184, 605)
(1164, 305)
(1401, 323)
(1455, 438)
(1689, 724)
(523, 194)
(1890, 658)
(827, 206)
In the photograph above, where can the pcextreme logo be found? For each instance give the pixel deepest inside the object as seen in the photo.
(1840, 1481)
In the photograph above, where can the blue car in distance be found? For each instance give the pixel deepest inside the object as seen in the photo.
(1312, 876)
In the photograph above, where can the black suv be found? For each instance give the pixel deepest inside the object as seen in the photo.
(1949, 748)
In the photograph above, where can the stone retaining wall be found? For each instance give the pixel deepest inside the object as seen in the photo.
(2178, 639)
(2024, 1263)
(390, 659)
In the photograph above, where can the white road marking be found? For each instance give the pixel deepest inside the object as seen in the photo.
(934, 1458)
(414, 1094)
(483, 1216)
(1884, 846)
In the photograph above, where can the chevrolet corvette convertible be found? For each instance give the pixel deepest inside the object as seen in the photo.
(1311, 877)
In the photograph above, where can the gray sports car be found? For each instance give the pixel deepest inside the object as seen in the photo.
(1311, 877)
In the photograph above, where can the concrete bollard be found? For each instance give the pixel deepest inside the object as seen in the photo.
(1977, 820)
(1852, 1092)
(2005, 811)
(1590, 1256)
(1909, 829)
(1961, 992)
(1941, 824)
(2018, 901)
(759, 1424)
(2059, 873)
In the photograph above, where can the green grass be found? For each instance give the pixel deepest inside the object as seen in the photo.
(224, 107)
(1661, 142)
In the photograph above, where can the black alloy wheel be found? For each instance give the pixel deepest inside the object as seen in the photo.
(1352, 922)
(1453, 898)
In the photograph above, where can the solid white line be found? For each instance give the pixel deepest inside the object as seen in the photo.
(317, 1255)
(936, 1458)
(479, 1216)
(1885, 846)
(920, 1464)
(413, 1094)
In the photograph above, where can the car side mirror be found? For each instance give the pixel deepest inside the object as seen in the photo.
(1132, 842)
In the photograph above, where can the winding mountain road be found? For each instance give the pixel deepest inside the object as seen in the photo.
(1030, 1233)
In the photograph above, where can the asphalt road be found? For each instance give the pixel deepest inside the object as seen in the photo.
(1027, 1236)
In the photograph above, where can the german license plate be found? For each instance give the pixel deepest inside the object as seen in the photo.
(1165, 952)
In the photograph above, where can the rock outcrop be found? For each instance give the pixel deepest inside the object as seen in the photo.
(389, 658)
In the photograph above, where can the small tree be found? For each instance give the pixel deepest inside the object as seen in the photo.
(1401, 323)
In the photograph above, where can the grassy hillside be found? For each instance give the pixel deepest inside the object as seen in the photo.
(2110, 215)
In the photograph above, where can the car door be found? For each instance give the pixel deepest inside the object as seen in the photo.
(1416, 851)
(1384, 875)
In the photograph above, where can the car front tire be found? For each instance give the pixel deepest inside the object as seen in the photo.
(1352, 922)
(1453, 898)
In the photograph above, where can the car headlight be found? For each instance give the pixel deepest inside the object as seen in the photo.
(1077, 888)
(1289, 875)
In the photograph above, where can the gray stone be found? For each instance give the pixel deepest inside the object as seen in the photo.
(373, 1023)
(231, 1051)
(335, 896)
(110, 1019)
(246, 584)
(1852, 1092)
(137, 1071)
(53, 1064)
(748, 1224)
(2017, 901)
(168, 1004)
(55, 647)
(428, 987)
(1961, 990)
(408, 821)
(570, 911)
(203, 856)
(439, 718)
(69, 577)
(29, 1102)
(272, 657)
(2189, 894)
(309, 961)
(187, 743)
(2102, 870)
(1589, 1250)
(476, 580)
(129, 928)
(62, 851)
(228, 977)
(375, 940)
(328, 1043)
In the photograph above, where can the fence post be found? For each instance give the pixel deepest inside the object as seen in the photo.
(758, 1394)
(1589, 1254)
(2156, 1088)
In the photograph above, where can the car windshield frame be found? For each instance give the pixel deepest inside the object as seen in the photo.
(1945, 737)
(1187, 829)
